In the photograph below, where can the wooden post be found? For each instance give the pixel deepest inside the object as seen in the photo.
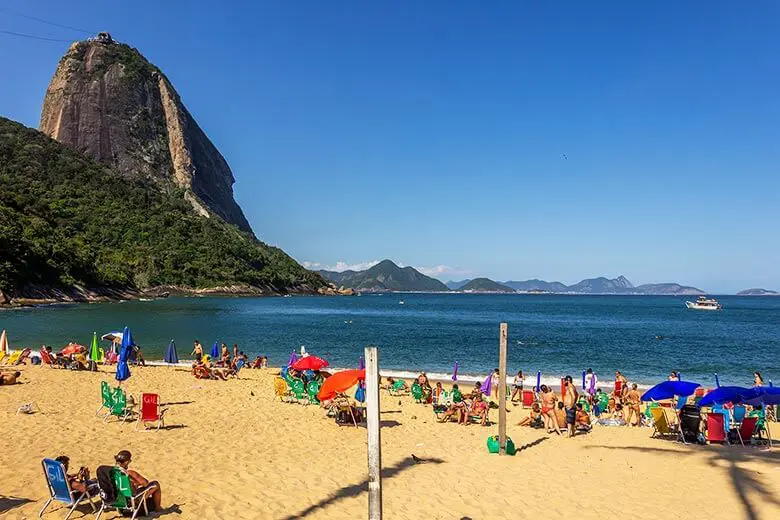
(502, 389)
(374, 440)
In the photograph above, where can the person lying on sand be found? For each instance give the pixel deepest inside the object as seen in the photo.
(535, 419)
(79, 482)
(9, 379)
(139, 483)
(583, 419)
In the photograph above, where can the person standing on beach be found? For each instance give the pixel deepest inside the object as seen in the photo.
(517, 385)
(634, 401)
(197, 352)
(235, 352)
(548, 409)
(494, 382)
(570, 403)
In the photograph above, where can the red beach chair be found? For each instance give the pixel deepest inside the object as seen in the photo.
(150, 412)
(746, 429)
(47, 358)
(716, 431)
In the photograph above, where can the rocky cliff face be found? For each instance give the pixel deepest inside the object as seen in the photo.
(107, 101)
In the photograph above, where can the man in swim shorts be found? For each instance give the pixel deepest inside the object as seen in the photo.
(570, 402)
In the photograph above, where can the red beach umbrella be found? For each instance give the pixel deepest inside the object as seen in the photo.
(72, 349)
(310, 363)
(339, 383)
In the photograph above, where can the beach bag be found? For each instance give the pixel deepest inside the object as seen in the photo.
(35, 360)
(493, 446)
(106, 484)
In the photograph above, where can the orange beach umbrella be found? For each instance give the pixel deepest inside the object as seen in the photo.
(339, 383)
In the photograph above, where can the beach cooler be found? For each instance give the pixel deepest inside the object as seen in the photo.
(492, 445)
(528, 398)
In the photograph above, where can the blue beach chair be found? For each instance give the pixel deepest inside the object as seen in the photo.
(60, 490)
(739, 414)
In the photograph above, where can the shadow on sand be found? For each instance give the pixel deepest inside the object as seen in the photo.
(8, 503)
(356, 489)
(729, 458)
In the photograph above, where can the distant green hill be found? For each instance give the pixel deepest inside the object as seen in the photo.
(68, 222)
(486, 285)
(757, 292)
(385, 276)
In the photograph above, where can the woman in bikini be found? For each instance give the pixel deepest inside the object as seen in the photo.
(548, 409)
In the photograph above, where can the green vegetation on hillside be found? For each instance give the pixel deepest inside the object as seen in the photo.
(486, 285)
(66, 220)
(386, 276)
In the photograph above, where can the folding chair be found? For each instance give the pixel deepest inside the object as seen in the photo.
(124, 499)
(281, 391)
(746, 429)
(716, 431)
(59, 488)
(661, 425)
(150, 412)
(119, 407)
(106, 398)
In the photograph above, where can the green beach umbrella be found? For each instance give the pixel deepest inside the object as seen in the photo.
(94, 351)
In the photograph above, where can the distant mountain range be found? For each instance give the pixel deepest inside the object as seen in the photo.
(758, 292)
(601, 285)
(384, 277)
(485, 285)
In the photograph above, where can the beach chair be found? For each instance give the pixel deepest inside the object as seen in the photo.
(738, 414)
(417, 392)
(23, 355)
(344, 411)
(150, 412)
(239, 365)
(13, 357)
(312, 389)
(281, 391)
(46, 358)
(2, 356)
(298, 391)
(661, 423)
(716, 431)
(119, 406)
(106, 398)
(746, 429)
(117, 493)
(59, 488)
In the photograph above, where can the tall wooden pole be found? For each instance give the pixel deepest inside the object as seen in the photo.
(374, 440)
(503, 332)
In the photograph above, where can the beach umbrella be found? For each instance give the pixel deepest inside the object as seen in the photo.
(717, 381)
(215, 350)
(669, 389)
(487, 386)
(293, 359)
(360, 393)
(310, 363)
(361, 363)
(75, 348)
(122, 369)
(593, 380)
(4, 342)
(339, 383)
(583, 380)
(538, 380)
(171, 356)
(455, 372)
(94, 350)
(722, 394)
(760, 395)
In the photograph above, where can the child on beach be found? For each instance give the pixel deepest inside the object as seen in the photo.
(494, 382)
(534, 420)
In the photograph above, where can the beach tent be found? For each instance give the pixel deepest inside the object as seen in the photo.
(669, 389)
(4, 342)
(122, 369)
(721, 395)
(171, 356)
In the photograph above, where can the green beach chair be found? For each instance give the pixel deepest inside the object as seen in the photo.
(106, 398)
(312, 389)
(125, 502)
(417, 392)
(119, 407)
(298, 391)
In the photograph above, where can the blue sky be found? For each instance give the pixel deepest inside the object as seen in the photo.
(559, 141)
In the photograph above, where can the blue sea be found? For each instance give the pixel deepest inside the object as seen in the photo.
(645, 337)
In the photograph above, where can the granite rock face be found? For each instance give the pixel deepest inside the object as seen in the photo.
(108, 102)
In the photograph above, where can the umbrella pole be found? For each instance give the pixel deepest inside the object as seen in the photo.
(374, 440)
(503, 331)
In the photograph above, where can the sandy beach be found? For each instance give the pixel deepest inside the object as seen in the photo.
(231, 451)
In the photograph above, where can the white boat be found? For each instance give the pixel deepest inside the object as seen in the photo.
(704, 304)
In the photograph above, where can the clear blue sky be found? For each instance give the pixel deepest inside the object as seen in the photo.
(559, 141)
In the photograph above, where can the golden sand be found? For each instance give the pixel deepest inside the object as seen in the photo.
(233, 452)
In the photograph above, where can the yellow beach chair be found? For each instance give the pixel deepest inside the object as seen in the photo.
(2, 356)
(14, 357)
(661, 423)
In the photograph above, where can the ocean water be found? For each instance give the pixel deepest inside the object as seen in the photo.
(644, 336)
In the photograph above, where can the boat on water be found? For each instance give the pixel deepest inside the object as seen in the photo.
(704, 304)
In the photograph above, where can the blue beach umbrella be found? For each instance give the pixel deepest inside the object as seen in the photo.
(170, 355)
(538, 380)
(723, 394)
(360, 393)
(583, 380)
(455, 372)
(669, 389)
(122, 370)
(215, 350)
(760, 395)
(717, 381)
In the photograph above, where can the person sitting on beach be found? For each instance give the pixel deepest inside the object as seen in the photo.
(456, 409)
(427, 391)
(139, 483)
(618, 412)
(437, 393)
(79, 482)
(517, 387)
(479, 408)
(235, 351)
(457, 397)
(548, 410)
(634, 399)
(258, 362)
(224, 357)
(534, 420)
(197, 352)
(582, 421)
(9, 379)
(475, 392)
(560, 413)
(139, 356)
(200, 370)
